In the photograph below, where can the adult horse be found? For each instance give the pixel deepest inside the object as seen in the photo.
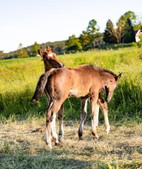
(84, 81)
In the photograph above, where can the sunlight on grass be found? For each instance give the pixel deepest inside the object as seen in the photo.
(19, 77)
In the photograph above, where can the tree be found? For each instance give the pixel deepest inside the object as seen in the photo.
(114, 33)
(87, 37)
(84, 38)
(108, 35)
(35, 48)
(118, 33)
(124, 31)
(21, 53)
(92, 29)
(73, 43)
(129, 34)
(126, 27)
(131, 15)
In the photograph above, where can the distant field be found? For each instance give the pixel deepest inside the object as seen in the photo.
(122, 148)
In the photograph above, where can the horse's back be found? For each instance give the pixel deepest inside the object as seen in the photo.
(76, 82)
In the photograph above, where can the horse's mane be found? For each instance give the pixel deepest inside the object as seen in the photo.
(101, 69)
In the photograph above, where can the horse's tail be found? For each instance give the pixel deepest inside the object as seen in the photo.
(40, 87)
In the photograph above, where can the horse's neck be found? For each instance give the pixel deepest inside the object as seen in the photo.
(105, 78)
(47, 66)
(47, 69)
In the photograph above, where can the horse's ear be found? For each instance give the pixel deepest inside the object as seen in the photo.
(48, 49)
(40, 52)
(118, 77)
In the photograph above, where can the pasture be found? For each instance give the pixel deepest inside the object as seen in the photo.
(122, 148)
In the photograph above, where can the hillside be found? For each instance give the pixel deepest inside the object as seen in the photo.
(57, 47)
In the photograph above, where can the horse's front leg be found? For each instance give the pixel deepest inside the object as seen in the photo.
(104, 108)
(82, 118)
(94, 114)
(60, 118)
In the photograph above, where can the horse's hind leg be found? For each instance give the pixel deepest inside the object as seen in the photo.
(50, 122)
(83, 117)
(104, 108)
(53, 130)
(47, 95)
(60, 118)
(49, 118)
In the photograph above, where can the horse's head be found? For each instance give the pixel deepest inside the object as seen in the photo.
(50, 59)
(110, 86)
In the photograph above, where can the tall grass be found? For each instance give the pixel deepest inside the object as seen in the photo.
(18, 78)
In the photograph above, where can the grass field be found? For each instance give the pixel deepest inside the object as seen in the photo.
(122, 148)
(20, 148)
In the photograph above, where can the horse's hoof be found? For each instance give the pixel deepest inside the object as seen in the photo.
(49, 146)
(56, 144)
(80, 138)
(59, 139)
(96, 137)
(108, 129)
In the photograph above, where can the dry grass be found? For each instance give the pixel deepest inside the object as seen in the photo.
(20, 148)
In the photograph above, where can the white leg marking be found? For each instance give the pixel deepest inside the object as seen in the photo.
(53, 129)
(96, 114)
(107, 126)
(48, 136)
(94, 120)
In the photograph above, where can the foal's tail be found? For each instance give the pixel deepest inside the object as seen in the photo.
(40, 87)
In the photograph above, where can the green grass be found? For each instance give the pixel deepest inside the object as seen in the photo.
(18, 79)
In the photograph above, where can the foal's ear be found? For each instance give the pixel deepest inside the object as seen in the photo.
(118, 77)
(40, 52)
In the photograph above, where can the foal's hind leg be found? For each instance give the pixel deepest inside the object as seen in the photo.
(104, 108)
(83, 117)
(60, 118)
(50, 122)
(47, 95)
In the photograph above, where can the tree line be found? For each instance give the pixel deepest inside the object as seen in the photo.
(31, 51)
(123, 32)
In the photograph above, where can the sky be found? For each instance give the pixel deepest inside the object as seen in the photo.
(27, 21)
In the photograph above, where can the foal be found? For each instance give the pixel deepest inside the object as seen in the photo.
(83, 81)
(51, 61)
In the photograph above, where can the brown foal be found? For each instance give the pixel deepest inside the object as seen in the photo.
(51, 62)
(84, 81)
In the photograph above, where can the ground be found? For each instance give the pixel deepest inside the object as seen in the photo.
(20, 148)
